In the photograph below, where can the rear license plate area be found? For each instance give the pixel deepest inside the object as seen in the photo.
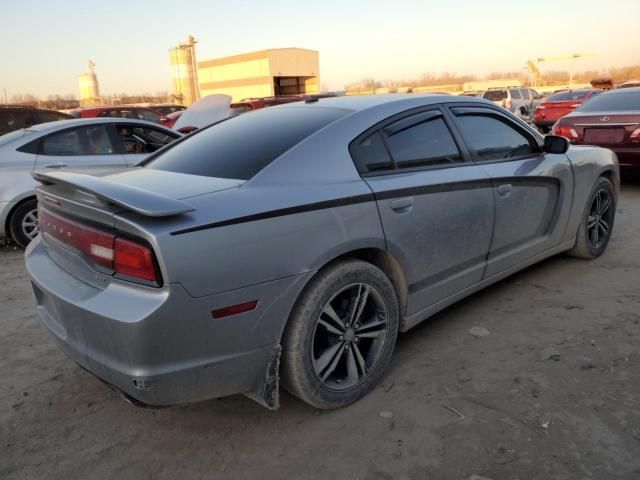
(603, 135)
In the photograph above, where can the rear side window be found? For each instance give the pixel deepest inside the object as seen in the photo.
(493, 139)
(424, 144)
(515, 94)
(92, 140)
(495, 95)
(525, 94)
(420, 140)
(371, 155)
(243, 145)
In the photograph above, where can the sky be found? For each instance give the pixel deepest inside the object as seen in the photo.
(46, 43)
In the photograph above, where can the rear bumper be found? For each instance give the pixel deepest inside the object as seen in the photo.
(160, 346)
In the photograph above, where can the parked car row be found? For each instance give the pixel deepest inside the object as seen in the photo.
(559, 104)
(292, 244)
(125, 111)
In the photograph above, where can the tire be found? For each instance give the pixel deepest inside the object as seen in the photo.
(599, 213)
(22, 226)
(329, 362)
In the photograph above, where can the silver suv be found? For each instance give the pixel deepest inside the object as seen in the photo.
(513, 99)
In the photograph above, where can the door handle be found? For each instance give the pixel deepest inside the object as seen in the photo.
(56, 165)
(504, 190)
(401, 205)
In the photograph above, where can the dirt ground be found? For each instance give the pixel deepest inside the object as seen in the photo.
(552, 392)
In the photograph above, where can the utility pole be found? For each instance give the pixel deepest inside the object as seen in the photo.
(5, 96)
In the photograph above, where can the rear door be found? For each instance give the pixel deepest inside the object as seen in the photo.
(532, 190)
(436, 206)
(89, 149)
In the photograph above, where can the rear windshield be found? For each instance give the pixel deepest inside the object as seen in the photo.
(613, 102)
(242, 146)
(566, 96)
(495, 95)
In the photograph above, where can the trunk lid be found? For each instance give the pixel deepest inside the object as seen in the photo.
(601, 128)
(121, 205)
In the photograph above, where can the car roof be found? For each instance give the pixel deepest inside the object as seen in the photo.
(60, 124)
(621, 91)
(364, 102)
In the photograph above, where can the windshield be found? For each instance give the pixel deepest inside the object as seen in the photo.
(495, 95)
(241, 146)
(612, 102)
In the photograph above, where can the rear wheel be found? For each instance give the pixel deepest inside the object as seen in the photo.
(341, 335)
(23, 224)
(597, 222)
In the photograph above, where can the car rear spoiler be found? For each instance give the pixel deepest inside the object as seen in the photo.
(135, 199)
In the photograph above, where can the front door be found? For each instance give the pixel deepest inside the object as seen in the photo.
(533, 190)
(436, 207)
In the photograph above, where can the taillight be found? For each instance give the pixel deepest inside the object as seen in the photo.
(507, 104)
(95, 244)
(133, 260)
(566, 131)
(120, 255)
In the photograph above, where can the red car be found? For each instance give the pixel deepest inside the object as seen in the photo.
(610, 120)
(560, 104)
(124, 111)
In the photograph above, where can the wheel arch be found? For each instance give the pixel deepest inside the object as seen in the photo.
(7, 220)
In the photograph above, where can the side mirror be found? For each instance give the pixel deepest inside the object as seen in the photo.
(555, 144)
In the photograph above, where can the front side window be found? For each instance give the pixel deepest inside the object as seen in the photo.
(142, 140)
(493, 139)
(93, 140)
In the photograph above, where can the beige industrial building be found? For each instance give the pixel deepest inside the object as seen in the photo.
(278, 71)
(184, 73)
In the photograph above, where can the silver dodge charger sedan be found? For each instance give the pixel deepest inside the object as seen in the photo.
(292, 244)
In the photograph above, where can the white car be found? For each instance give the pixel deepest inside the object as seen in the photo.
(92, 145)
(517, 100)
